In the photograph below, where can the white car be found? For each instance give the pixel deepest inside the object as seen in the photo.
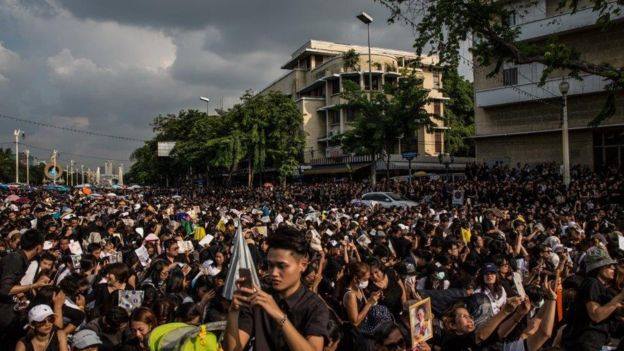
(385, 199)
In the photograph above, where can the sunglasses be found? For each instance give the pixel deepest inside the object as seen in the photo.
(49, 319)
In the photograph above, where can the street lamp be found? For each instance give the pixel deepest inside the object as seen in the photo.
(367, 20)
(564, 87)
(82, 172)
(207, 100)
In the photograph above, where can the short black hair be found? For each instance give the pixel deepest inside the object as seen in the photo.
(289, 238)
(31, 239)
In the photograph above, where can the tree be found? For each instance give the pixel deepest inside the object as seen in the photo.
(458, 113)
(442, 25)
(265, 130)
(383, 117)
(351, 60)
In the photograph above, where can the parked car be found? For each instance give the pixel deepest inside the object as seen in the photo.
(384, 199)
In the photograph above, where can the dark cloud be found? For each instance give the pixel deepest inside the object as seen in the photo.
(112, 66)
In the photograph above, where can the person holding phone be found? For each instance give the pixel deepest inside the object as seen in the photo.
(286, 316)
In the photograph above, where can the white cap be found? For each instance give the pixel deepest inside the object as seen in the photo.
(39, 313)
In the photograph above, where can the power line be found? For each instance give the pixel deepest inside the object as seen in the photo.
(68, 129)
(64, 152)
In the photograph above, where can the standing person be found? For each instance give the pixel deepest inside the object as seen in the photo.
(142, 322)
(12, 268)
(86, 340)
(594, 305)
(42, 334)
(285, 317)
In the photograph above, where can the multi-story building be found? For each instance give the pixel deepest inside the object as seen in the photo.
(316, 73)
(518, 121)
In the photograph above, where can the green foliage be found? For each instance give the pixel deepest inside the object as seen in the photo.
(263, 130)
(351, 60)
(442, 25)
(7, 169)
(382, 117)
(458, 114)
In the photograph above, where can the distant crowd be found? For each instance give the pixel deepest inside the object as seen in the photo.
(520, 262)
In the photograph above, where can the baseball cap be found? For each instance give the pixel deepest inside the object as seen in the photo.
(490, 268)
(39, 313)
(86, 338)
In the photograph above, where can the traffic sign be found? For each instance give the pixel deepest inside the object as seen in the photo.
(409, 155)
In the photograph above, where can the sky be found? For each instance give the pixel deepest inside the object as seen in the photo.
(112, 66)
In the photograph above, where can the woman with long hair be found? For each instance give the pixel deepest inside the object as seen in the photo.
(490, 285)
(354, 301)
(154, 282)
(142, 322)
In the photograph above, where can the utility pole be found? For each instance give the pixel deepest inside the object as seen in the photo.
(17, 133)
(27, 167)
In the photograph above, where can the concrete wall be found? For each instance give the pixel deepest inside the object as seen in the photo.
(313, 126)
(537, 116)
(536, 148)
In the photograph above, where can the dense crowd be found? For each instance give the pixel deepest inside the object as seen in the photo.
(522, 262)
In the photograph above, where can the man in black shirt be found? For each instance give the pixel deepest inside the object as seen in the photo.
(594, 304)
(12, 268)
(287, 316)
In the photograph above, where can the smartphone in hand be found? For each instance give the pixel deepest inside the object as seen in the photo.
(244, 274)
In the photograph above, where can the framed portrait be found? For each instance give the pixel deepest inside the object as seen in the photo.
(421, 321)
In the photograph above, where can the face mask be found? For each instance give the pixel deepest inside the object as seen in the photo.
(363, 285)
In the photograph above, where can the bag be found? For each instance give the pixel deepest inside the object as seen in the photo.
(377, 316)
(182, 337)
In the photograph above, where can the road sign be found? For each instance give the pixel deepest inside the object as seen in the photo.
(409, 155)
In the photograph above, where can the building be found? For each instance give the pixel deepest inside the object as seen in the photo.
(316, 72)
(513, 125)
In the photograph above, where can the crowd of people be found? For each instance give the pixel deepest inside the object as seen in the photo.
(522, 262)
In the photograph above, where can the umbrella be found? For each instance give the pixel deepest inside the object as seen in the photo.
(111, 195)
(86, 190)
(175, 197)
(4, 186)
(95, 195)
(241, 258)
(11, 198)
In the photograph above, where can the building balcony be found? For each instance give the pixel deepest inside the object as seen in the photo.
(530, 91)
(566, 22)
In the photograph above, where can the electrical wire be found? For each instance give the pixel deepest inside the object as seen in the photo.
(68, 129)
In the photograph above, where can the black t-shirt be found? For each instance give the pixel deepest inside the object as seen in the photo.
(305, 310)
(454, 342)
(12, 268)
(582, 328)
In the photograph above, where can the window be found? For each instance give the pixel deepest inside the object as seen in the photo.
(391, 80)
(510, 76)
(437, 80)
(334, 117)
(438, 141)
(437, 108)
(335, 86)
(511, 19)
(353, 78)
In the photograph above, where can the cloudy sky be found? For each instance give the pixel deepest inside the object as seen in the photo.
(110, 66)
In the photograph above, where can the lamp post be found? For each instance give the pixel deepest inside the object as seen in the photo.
(207, 100)
(54, 154)
(564, 87)
(27, 167)
(17, 133)
(367, 20)
(82, 172)
(72, 182)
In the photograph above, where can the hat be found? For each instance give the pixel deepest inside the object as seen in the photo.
(86, 338)
(597, 257)
(490, 268)
(39, 313)
(151, 237)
